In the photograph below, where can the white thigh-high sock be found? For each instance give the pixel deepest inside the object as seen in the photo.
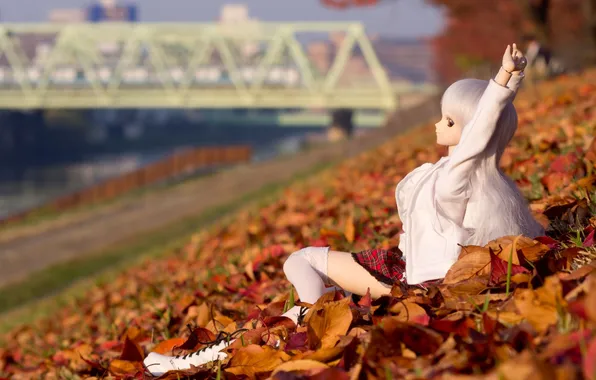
(306, 269)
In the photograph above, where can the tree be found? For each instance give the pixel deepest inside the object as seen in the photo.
(476, 31)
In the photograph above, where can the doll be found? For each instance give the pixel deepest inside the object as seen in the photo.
(462, 199)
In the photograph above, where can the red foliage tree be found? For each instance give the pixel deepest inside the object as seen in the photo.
(476, 31)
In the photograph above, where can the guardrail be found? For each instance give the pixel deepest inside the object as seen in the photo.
(170, 167)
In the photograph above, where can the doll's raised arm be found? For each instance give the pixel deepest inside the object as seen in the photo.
(515, 82)
(517, 75)
(511, 72)
(452, 187)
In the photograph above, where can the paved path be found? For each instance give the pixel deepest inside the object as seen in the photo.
(94, 230)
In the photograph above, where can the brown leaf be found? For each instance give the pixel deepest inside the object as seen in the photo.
(475, 262)
(305, 366)
(328, 323)
(579, 273)
(197, 338)
(76, 357)
(539, 307)
(131, 351)
(472, 286)
(120, 367)
(332, 373)
(393, 333)
(255, 361)
(532, 250)
(324, 355)
(526, 366)
(409, 312)
(350, 229)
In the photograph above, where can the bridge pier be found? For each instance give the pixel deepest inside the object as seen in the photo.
(341, 127)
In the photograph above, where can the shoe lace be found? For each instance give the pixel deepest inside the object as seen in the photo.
(220, 337)
(302, 314)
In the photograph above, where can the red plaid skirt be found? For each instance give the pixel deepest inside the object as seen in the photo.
(385, 265)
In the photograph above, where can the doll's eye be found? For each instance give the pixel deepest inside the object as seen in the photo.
(450, 122)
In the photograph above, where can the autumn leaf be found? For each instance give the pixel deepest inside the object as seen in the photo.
(131, 351)
(125, 367)
(305, 366)
(350, 229)
(229, 276)
(589, 365)
(499, 269)
(532, 250)
(328, 322)
(474, 262)
(168, 345)
(540, 307)
(589, 240)
(252, 361)
(198, 337)
(409, 312)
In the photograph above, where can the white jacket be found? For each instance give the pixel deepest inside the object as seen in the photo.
(432, 199)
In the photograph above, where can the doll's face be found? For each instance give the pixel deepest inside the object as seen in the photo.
(448, 131)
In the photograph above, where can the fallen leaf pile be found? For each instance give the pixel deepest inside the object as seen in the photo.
(515, 309)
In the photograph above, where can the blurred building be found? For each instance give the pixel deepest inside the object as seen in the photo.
(103, 11)
(232, 13)
(236, 17)
(406, 59)
(68, 15)
(108, 10)
(403, 59)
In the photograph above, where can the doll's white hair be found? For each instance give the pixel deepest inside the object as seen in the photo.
(500, 209)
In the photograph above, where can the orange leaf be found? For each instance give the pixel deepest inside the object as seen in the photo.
(167, 345)
(531, 249)
(306, 366)
(350, 230)
(256, 361)
(476, 261)
(539, 307)
(124, 367)
(328, 322)
(329, 233)
(409, 312)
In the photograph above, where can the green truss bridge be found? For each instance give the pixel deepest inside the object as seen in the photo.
(160, 65)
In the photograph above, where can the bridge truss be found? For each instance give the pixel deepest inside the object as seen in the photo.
(158, 65)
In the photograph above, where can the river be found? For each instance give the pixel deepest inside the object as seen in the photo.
(24, 188)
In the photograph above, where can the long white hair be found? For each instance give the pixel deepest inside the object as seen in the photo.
(500, 209)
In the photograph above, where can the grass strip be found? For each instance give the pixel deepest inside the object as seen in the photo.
(45, 291)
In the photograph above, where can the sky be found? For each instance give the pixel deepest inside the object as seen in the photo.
(397, 18)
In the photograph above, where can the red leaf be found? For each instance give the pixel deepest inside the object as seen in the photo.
(548, 241)
(459, 327)
(131, 352)
(564, 163)
(498, 268)
(366, 300)
(490, 325)
(589, 365)
(198, 337)
(589, 240)
(297, 341)
(94, 364)
(578, 308)
(331, 374)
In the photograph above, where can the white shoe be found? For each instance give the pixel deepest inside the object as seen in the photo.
(158, 364)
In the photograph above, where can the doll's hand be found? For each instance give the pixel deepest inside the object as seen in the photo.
(514, 60)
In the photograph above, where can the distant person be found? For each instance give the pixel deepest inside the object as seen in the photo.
(541, 63)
